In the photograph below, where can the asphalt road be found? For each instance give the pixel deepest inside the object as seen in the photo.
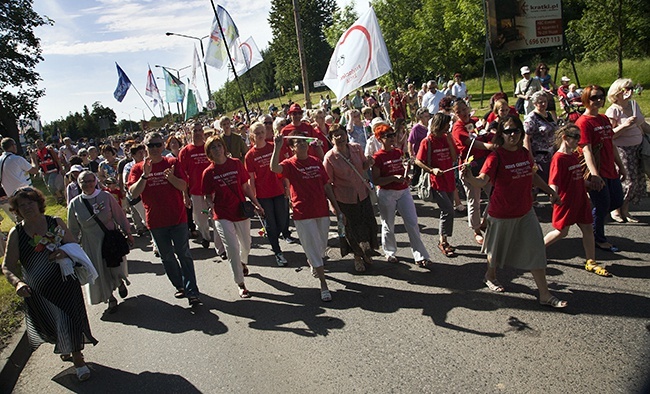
(395, 328)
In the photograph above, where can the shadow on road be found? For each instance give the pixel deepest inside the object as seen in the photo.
(110, 380)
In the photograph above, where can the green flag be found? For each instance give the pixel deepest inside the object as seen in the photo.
(192, 109)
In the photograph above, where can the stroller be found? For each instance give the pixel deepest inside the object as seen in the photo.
(572, 108)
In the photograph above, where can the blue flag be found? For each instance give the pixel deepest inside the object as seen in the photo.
(123, 84)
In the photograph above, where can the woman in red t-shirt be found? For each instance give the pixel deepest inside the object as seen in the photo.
(565, 177)
(309, 187)
(606, 192)
(513, 236)
(394, 194)
(225, 184)
(268, 188)
(437, 154)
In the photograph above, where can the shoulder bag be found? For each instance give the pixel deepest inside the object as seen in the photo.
(519, 105)
(115, 245)
(424, 183)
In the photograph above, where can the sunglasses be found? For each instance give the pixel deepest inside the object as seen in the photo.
(390, 135)
(597, 97)
(574, 136)
(154, 145)
(511, 131)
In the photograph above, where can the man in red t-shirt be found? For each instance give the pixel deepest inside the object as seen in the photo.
(161, 182)
(193, 161)
(304, 128)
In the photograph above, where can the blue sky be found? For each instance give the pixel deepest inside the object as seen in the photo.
(89, 36)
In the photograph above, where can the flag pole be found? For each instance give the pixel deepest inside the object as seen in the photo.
(143, 100)
(232, 64)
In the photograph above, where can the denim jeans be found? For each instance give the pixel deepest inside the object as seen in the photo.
(172, 242)
(275, 215)
(607, 199)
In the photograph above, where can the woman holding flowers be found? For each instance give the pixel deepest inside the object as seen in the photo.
(54, 306)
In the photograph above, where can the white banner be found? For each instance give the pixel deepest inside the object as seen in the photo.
(251, 56)
(360, 56)
(216, 55)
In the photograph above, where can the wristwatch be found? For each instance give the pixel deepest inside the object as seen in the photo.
(144, 177)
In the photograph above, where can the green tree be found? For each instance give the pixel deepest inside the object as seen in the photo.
(20, 52)
(611, 27)
(315, 16)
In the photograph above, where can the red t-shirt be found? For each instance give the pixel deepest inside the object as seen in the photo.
(163, 203)
(511, 173)
(307, 179)
(308, 131)
(492, 117)
(440, 158)
(193, 161)
(225, 181)
(117, 193)
(267, 183)
(595, 130)
(566, 174)
(461, 133)
(390, 163)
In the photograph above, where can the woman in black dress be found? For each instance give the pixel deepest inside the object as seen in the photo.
(54, 307)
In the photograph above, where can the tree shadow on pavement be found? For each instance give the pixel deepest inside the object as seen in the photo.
(146, 267)
(105, 379)
(157, 315)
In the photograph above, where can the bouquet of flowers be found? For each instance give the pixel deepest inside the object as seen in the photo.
(50, 241)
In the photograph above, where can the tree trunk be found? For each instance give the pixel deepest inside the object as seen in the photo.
(8, 121)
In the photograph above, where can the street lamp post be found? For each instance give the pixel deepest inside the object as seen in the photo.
(142, 109)
(130, 124)
(205, 68)
(178, 75)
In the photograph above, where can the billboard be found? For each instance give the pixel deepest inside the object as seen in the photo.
(524, 24)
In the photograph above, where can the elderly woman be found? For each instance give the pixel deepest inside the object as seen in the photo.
(602, 160)
(394, 195)
(310, 187)
(540, 128)
(513, 236)
(225, 185)
(627, 122)
(268, 189)
(90, 204)
(54, 307)
(346, 167)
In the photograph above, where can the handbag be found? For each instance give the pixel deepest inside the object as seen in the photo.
(115, 245)
(424, 183)
(246, 208)
(519, 105)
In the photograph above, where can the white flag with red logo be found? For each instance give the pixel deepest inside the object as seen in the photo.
(360, 56)
(251, 56)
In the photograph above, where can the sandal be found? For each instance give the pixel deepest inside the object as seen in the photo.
(554, 302)
(478, 238)
(245, 269)
(494, 285)
(243, 293)
(446, 249)
(591, 266)
(426, 263)
(83, 373)
(631, 219)
(359, 266)
(325, 295)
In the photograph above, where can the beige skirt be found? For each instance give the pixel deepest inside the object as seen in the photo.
(517, 243)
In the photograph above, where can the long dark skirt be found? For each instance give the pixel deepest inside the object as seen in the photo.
(361, 228)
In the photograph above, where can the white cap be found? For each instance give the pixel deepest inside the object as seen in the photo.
(76, 168)
(525, 70)
(565, 79)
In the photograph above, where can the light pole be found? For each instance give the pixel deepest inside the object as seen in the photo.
(130, 124)
(178, 75)
(142, 109)
(205, 68)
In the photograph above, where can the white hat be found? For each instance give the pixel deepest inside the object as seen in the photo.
(525, 70)
(75, 168)
(565, 79)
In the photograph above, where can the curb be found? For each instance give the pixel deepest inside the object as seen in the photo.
(13, 359)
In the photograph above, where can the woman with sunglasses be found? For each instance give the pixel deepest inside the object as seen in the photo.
(627, 122)
(548, 87)
(54, 307)
(394, 194)
(513, 236)
(566, 179)
(602, 159)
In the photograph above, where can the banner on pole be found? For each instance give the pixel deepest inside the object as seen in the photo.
(360, 56)
(151, 89)
(174, 88)
(216, 54)
(123, 84)
(251, 56)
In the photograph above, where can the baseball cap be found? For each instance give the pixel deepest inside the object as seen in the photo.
(295, 107)
(525, 70)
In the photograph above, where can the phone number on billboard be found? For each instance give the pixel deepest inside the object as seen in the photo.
(544, 40)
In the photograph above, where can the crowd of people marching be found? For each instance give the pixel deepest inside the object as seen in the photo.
(302, 166)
